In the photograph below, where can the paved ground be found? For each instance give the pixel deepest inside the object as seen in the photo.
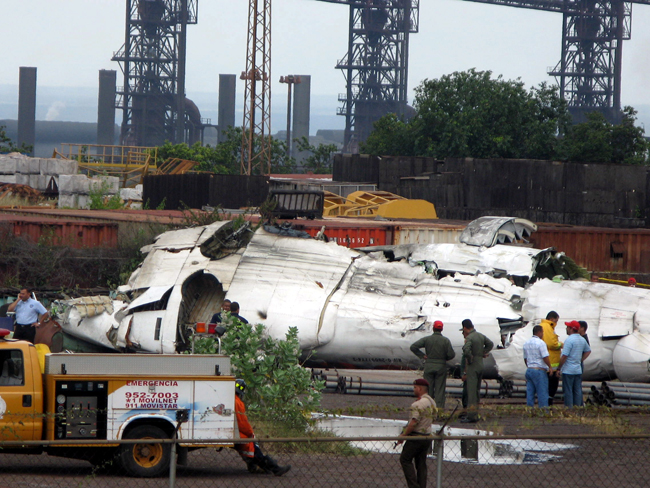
(616, 463)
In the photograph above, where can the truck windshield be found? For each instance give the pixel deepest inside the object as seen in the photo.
(12, 373)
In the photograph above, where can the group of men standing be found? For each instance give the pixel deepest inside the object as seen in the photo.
(546, 358)
(438, 351)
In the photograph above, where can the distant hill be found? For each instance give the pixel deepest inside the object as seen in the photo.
(50, 134)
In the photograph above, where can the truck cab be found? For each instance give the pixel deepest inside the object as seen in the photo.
(21, 391)
(113, 397)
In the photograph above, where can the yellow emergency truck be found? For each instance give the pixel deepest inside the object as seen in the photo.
(111, 397)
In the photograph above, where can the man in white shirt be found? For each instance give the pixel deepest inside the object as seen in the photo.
(538, 368)
(30, 314)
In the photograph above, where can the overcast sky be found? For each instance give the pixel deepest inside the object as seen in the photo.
(70, 40)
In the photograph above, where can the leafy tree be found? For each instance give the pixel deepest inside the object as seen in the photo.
(8, 146)
(471, 114)
(598, 141)
(279, 389)
(320, 160)
(225, 157)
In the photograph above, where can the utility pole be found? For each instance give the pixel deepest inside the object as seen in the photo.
(290, 80)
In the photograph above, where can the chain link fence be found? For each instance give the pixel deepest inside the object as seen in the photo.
(457, 460)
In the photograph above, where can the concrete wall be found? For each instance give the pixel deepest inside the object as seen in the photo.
(542, 191)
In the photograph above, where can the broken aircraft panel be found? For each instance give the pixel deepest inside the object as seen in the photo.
(489, 231)
(364, 308)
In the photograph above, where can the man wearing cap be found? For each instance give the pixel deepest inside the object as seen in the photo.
(554, 347)
(575, 351)
(538, 367)
(422, 412)
(476, 347)
(438, 352)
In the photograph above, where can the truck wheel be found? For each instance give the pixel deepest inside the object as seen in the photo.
(145, 459)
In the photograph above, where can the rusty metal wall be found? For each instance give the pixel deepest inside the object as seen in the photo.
(51, 232)
(599, 249)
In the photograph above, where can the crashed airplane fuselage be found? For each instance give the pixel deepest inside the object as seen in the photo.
(365, 308)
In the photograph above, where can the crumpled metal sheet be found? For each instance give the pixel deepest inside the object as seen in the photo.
(489, 231)
(498, 260)
(84, 306)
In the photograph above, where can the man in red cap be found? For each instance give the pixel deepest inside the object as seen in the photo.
(422, 412)
(574, 352)
(631, 282)
(438, 352)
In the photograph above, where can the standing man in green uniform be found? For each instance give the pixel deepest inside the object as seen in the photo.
(476, 347)
(438, 352)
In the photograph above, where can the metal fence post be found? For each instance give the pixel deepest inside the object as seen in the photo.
(439, 456)
(172, 465)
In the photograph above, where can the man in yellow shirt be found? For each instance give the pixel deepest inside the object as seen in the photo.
(554, 351)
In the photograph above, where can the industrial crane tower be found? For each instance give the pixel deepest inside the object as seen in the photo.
(152, 60)
(589, 71)
(376, 64)
(256, 130)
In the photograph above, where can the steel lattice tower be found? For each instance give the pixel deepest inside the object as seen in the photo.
(376, 64)
(589, 71)
(256, 130)
(152, 60)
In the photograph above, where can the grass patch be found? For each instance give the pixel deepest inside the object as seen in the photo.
(598, 419)
(19, 201)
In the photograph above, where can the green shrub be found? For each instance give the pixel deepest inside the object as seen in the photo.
(279, 389)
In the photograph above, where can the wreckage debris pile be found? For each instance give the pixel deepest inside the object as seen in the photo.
(21, 191)
(607, 393)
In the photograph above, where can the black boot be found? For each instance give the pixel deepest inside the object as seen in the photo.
(272, 466)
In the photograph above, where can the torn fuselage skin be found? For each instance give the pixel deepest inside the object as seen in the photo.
(362, 308)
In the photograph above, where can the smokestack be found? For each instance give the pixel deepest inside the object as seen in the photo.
(27, 107)
(227, 89)
(301, 111)
(106, 107)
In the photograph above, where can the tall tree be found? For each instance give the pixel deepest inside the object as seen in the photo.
(598, 141)
(472, 114)
(319, 160)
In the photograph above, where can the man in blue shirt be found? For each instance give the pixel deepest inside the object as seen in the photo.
(29, 315)
(575, 351)
(538, 368)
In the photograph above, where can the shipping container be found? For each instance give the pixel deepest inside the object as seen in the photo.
(56, 232)
(428, 233)
(599, 249)
(349, 233)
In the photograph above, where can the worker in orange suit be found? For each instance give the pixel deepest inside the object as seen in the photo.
(251, 452)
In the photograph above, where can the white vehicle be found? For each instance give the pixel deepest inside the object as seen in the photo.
(364, 308)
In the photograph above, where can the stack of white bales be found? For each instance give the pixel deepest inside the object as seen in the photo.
(74, 190)
(35, 172)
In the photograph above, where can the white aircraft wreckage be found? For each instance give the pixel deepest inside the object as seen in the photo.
(364, 308)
